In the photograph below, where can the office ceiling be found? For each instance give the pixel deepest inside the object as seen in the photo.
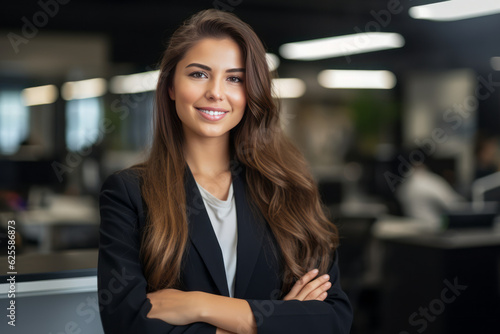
(137, 30)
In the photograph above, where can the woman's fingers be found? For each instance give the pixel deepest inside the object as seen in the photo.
(305, 289)
(297, 287)
(314, 288)
(319, 293)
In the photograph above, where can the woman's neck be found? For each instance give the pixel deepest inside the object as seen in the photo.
(208, 157)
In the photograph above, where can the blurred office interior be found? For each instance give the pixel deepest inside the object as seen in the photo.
(398, 114)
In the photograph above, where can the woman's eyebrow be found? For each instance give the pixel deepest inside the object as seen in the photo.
(236, 70)
(207, 68)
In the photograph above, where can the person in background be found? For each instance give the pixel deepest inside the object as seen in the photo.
(487, 155)
(425, 195)
(221, 229)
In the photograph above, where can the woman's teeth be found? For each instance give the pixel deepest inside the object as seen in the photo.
(213, 113)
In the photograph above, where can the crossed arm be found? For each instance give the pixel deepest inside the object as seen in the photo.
(229, 315)
(125, 308)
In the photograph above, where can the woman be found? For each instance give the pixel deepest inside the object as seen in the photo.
(219, 229)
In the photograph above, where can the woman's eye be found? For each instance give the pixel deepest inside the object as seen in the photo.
(198, 75)
(235, 79)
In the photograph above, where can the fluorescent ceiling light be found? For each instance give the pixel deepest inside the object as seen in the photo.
(272, 61)
(341, 45)
(284, 88)
(495, 63)
(455, 10)
(134, 83)
(83, 89)
(357, 79)
(39, 95)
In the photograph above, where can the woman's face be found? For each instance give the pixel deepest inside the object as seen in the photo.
(209, 88)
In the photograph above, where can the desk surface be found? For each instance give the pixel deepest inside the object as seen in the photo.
(43, 266)
(411, 231)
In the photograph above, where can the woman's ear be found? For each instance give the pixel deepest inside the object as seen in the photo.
(171, 93)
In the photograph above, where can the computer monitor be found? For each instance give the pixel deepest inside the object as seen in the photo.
(470, 215)
(487, 189)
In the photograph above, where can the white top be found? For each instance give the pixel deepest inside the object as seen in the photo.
(425, 196)
(223, 218)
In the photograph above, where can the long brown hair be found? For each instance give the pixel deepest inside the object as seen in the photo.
(278, 178)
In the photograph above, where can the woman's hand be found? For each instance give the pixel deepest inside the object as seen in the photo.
(174, 306)
(305, 289)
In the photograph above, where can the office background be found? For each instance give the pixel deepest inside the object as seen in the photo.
(395, 105)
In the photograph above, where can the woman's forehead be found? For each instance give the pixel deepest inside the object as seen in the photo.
(215, 53)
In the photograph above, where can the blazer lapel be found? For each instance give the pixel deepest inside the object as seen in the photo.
(202, 234)
(249, 234)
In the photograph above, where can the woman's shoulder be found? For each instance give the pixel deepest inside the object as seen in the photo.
(128, 177)
(123, 187)
(129, 174)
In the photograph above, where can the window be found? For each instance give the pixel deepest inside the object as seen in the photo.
(82, 122)
(14, 121)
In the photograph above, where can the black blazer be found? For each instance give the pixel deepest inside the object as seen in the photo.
(122, 287)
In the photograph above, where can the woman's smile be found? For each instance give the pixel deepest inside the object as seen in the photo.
(212, 114)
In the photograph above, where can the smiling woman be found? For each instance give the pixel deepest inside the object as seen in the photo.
(221, 229)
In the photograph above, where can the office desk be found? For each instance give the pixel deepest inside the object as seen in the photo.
(80, 214)
(55, 293)
(439, 283)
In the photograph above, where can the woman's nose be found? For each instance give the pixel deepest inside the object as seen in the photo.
(215, 91)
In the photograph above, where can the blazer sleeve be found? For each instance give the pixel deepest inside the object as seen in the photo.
(122, 286)
(333, 315)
